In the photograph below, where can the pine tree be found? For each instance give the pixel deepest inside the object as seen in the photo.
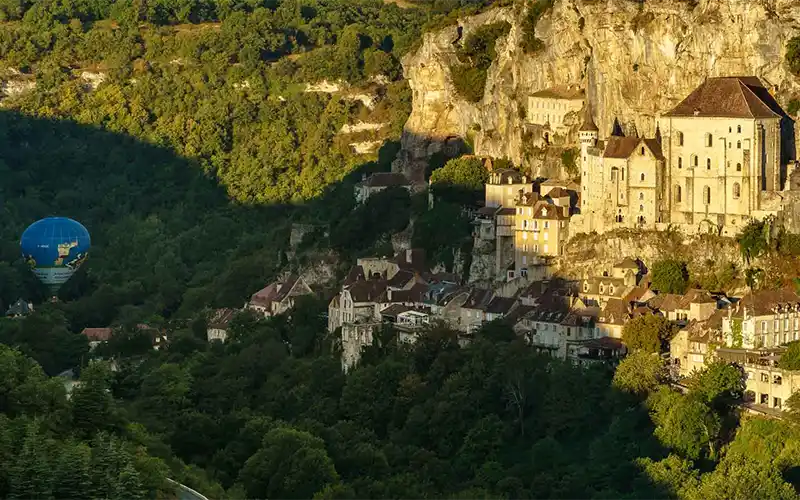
(71, 474)
(31, 476)
(129, 484)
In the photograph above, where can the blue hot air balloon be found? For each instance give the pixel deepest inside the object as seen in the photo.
(55, 247)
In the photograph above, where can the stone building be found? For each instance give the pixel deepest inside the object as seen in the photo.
(550, 108)
(723, 148)
(714, 159)
(279, 296)
(377, 182)
(620, 180)
(541, 229)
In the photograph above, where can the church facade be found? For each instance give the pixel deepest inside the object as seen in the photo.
(712, 158)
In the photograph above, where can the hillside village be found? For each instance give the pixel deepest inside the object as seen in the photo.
(717, 161)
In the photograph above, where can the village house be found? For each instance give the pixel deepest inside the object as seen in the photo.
(693, 346)
(218, 324)
(19, 309)
(96, 336)
(279, 296)
(541, 230)
(377, 182)
(623, 277)
(763, 319)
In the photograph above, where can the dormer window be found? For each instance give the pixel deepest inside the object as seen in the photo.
(611, 289)
(586, 287)
(602, 289)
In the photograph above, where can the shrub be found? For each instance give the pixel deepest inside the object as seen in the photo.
(531, 44)
(568, 159)
(793, 55)
(793, 107)
(475, 57)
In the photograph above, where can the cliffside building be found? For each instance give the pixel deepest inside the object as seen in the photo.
(714, 157)
(551, 107)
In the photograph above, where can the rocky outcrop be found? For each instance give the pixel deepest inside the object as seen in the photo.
(635, 60)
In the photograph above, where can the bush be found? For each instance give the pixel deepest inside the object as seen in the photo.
(793, 107)
(790, 360)
(475, 57)
(793, 55)
(670, 276)
(531, 44)
(568, 160)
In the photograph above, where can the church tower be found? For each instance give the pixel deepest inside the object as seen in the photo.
(588, 131)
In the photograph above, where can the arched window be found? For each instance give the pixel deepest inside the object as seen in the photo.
(680, 162)
(709, 140)
(677, 192)
(738, 129)
(737, 190)
(708, 163)
(641, 208)
(641, 196)
(738, 144)
(641, 177)
(695, 161)
(707, 195)
(680, 138)
(738, 167)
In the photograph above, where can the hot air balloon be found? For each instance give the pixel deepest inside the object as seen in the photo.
(55, 247)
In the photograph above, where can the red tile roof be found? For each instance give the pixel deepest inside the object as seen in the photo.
(97, 334)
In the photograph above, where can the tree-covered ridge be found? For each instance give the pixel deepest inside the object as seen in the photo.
(52, 446)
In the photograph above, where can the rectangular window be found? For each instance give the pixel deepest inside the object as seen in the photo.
(763, 327)
(776, 325)
(786, 324)
(546, 225)
(776, 338)
(524, 260)
(545, 248)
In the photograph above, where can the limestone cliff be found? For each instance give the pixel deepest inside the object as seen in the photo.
(635, 60)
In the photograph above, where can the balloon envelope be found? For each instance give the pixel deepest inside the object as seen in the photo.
(55, 248)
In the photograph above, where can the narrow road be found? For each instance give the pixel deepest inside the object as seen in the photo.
(186, 493)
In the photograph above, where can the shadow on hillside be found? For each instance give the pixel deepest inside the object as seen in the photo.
(164, 233)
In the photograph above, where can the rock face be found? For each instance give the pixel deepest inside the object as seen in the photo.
(635, 61)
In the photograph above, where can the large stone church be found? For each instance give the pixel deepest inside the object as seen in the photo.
(713, 158)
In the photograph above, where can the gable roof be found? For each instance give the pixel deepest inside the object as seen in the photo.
(588, 124)
(729, 97)
(367, 291)
(544, 210)
(500, 305)
(559, 93)
(97, 334)
(627, 263)
(221, 318)
(401, 278)
(623, 147)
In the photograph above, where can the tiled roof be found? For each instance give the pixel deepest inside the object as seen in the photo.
(265, 296)
(620, 147)
(503, 175)
(667, 302)
(367, 291)
(544, 210)
(478, 298)
(414, 294)
(729, 97)
(500, 305)
(286, 287)
(615, 312)
(627, 263)
(221, 318)
(695, 296)
(764, 302)
(607, 282)
(394, 309)
(557, 192)
(655, 147)
(97, 334)
(386, 179)
(559, 93)
(401, 278)
(356, 273)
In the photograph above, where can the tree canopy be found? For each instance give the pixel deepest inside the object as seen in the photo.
(670, 276)
(649, 333)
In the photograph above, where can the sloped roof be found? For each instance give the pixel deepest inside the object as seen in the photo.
(594, 286)
(356, 273)
(500, 305)
(266, 295)
(666, 302)
(588, 124)
(367, 291)
(221, 318)
(544, 210)
(286, 287)
(620, 147)
(655, 147)
(615, 312)
(557, 192)
(401, 278)
(19, 308)
(504, 174)
(394, 309)
(729, 97)
(414, 294)
(559, 93)
(97, 334)
(764, 302)
(477, 299)
(627, 263)
(696, 296)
